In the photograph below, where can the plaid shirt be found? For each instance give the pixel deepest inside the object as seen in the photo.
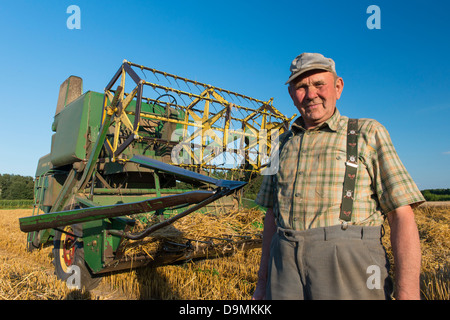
(309, 182)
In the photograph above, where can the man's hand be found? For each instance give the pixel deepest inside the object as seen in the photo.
(260, 291)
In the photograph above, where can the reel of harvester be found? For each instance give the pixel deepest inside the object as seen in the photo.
(210, 127)
(149, 153)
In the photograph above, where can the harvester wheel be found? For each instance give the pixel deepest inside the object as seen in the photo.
(68, 251)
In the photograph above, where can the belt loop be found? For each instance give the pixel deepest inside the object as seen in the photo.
(279, 231)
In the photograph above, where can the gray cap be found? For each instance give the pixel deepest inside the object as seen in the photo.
(310, 61)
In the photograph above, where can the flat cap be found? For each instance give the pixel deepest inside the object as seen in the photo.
(310, 61)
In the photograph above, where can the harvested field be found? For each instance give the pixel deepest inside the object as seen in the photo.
(29, 276)
(25, 275)
(433, 223)
(436, 204)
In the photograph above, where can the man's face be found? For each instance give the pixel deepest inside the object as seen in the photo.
(314, 94)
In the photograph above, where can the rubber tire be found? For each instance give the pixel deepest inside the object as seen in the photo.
(87, 280)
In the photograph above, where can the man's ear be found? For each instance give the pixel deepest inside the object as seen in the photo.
(339, 87)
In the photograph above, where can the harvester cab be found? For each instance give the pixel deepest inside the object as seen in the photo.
(149, 153)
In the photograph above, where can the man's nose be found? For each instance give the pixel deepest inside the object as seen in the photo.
(311, 92)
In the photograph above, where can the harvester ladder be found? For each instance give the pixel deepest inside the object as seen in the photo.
(39, 187)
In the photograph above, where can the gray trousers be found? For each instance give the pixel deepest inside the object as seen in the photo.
(328, 264)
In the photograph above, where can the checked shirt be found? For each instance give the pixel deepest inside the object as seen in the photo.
(307, 190)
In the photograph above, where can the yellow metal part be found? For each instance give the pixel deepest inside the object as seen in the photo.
(212, 124)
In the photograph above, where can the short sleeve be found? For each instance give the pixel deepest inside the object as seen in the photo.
(265, 194)
(392, 182)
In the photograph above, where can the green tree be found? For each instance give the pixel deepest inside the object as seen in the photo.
(16, 187)
(436, 194)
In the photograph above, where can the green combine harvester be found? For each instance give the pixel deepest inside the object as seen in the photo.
(139, 151)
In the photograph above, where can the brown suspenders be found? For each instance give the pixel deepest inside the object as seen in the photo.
(351, 168)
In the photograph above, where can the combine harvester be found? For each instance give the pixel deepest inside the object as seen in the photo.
(143, 152)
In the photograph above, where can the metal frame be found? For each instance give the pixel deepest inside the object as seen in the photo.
(245, 117)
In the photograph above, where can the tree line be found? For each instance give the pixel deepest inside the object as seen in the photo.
(436, 194)
(16, 187)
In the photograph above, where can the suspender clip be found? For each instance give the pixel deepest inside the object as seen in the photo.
(351, 164)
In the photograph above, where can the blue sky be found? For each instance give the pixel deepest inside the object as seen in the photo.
(398, 74)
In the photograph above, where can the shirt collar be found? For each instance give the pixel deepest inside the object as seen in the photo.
(333, 123)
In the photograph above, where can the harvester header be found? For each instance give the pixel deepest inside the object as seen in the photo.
(210, 121)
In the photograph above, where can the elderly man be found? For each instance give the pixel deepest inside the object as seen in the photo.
(338, 179)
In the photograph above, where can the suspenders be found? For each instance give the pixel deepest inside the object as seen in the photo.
(351, 168)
